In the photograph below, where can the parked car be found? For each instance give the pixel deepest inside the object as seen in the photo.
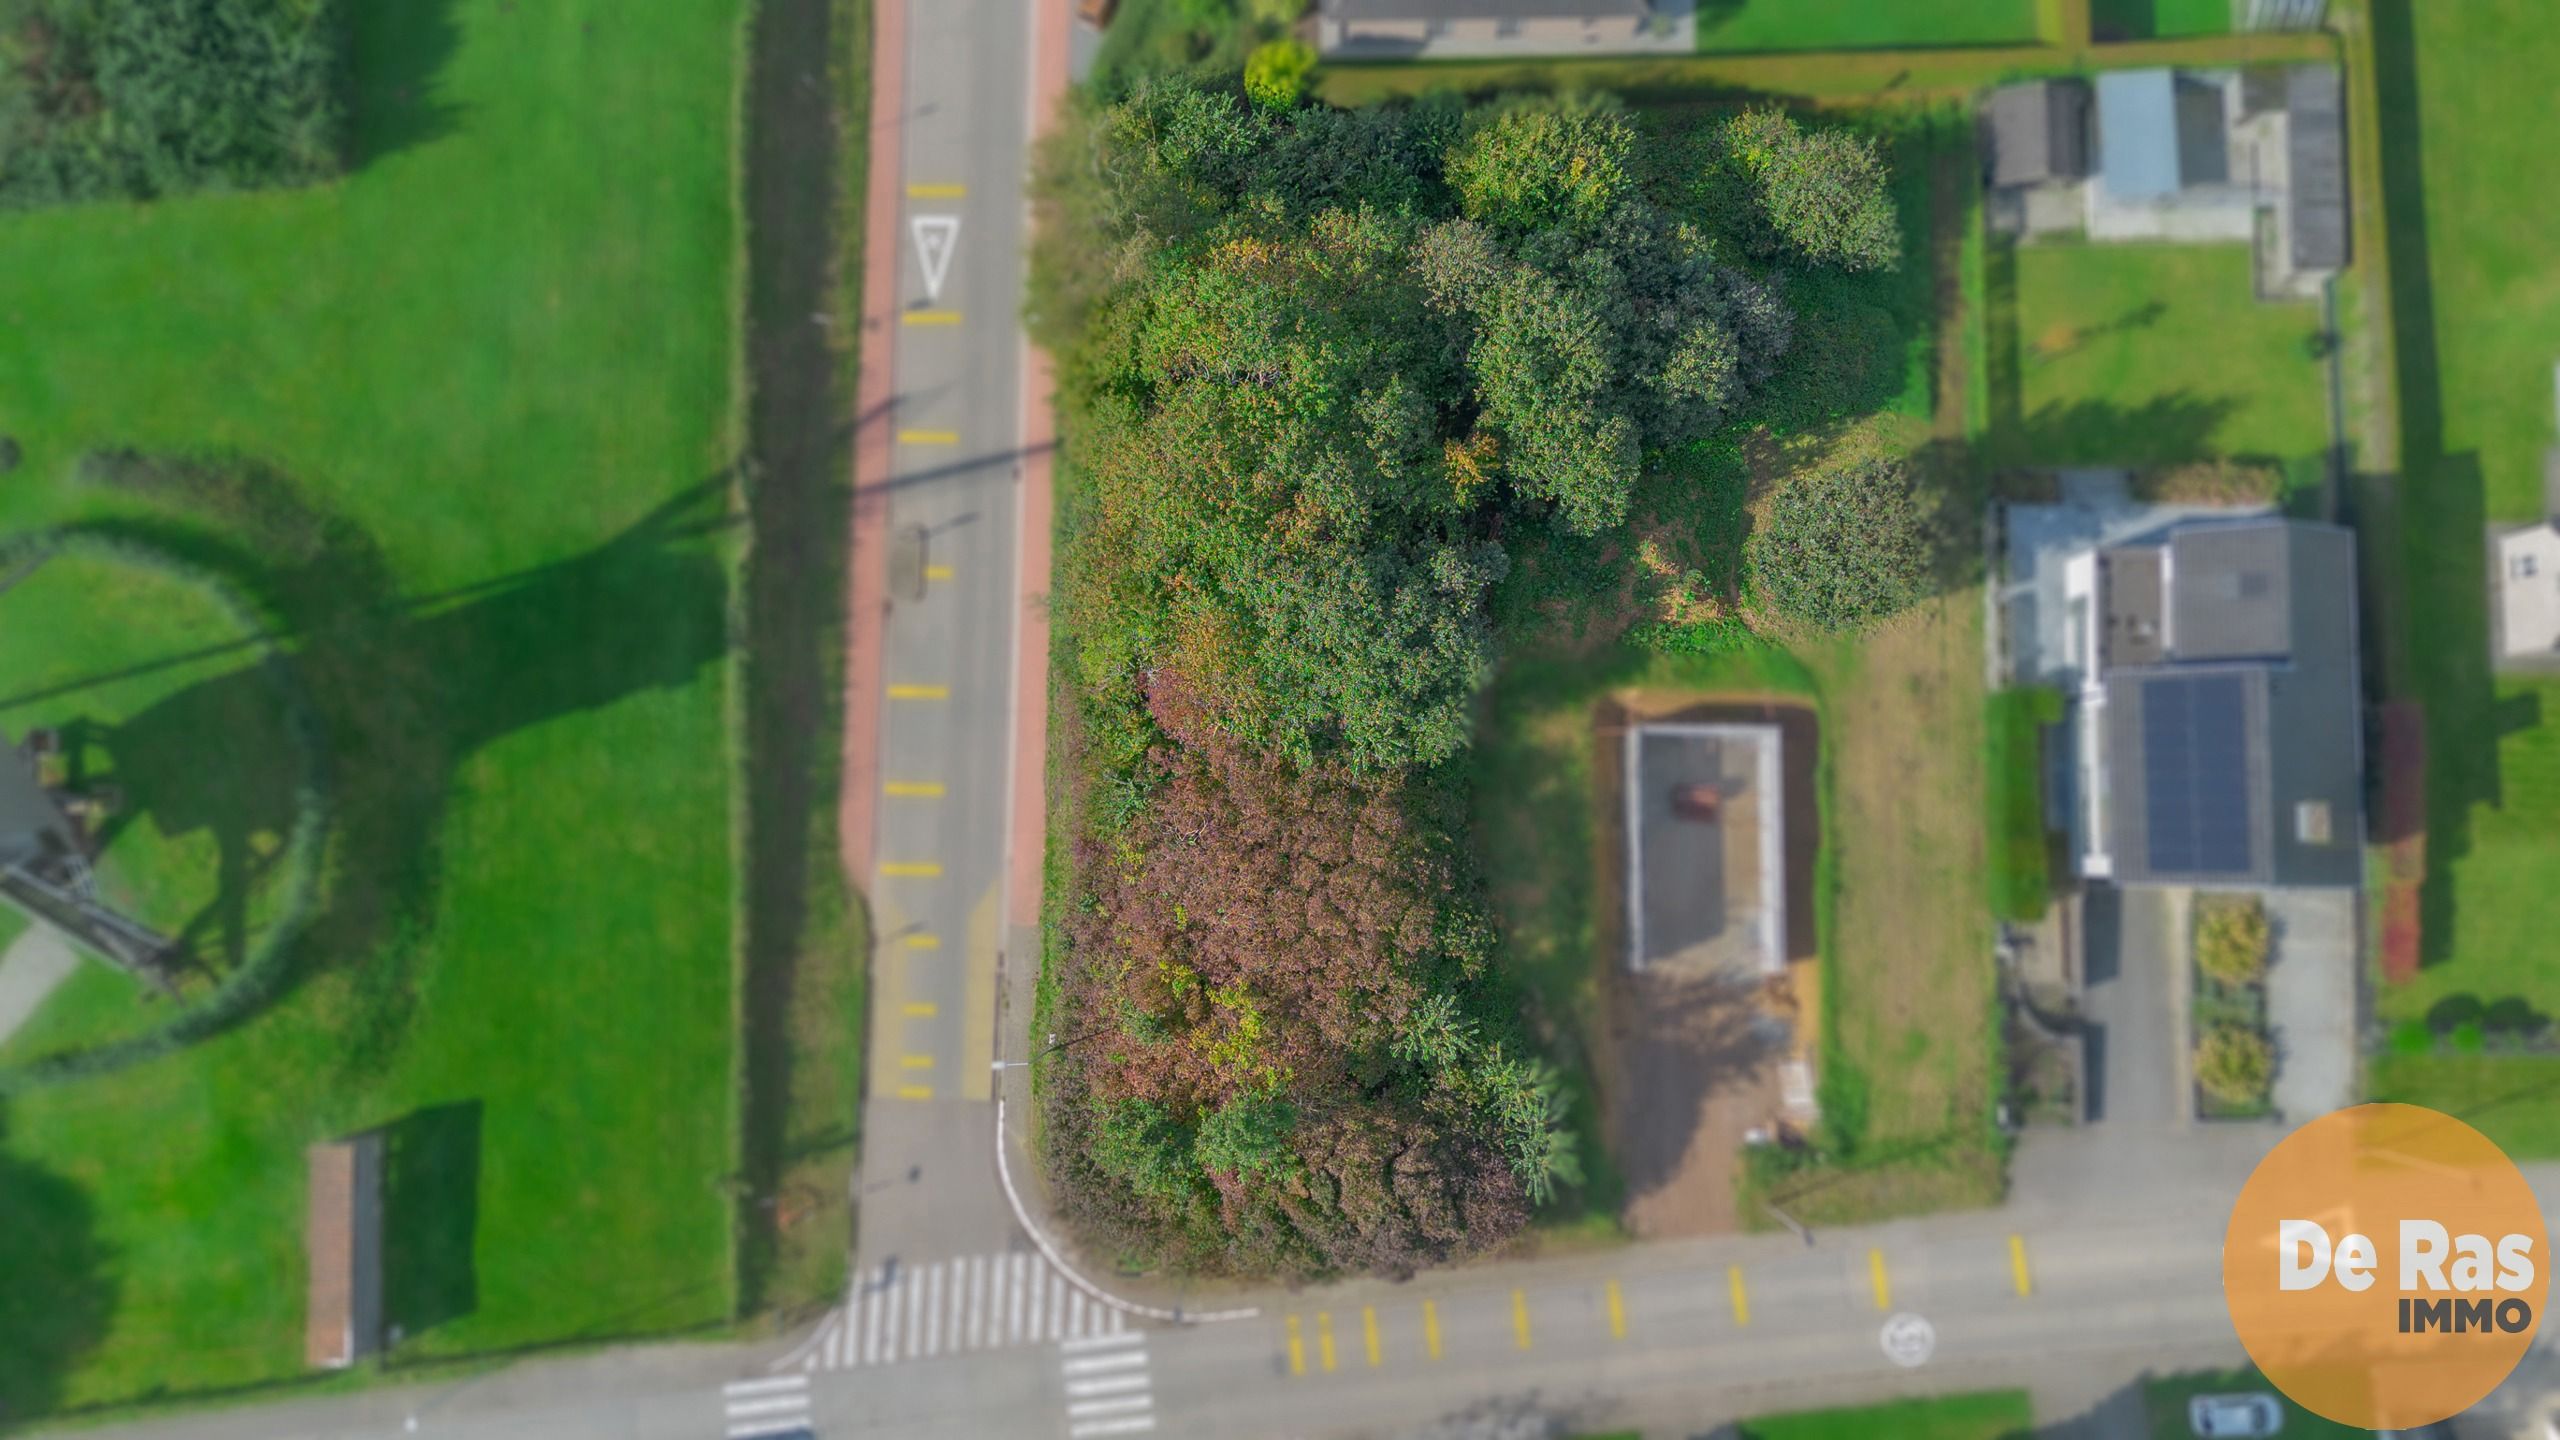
(2220, 1415)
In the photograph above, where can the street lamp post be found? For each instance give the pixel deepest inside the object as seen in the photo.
(1053, 1047)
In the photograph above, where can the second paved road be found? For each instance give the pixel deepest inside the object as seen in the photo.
(928, 1187)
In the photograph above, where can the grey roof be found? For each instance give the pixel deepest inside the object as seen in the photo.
(2039, 131)
(2211, 762)
(1485, 9)
(2138, 133)
(2159, 132)
(2229, 595)
(2316, 167)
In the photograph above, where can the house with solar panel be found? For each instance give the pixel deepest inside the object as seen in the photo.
(2217, 731)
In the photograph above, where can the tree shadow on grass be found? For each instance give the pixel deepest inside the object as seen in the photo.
(405, 690)
(398, 49)
(57, 1288)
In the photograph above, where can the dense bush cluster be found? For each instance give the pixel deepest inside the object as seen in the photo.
(1845, 547)
(141, 98)
(1324, 371)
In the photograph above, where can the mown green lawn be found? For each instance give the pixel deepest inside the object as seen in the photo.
(479, 402)
(2126, 354)
(1725, 25)
(2475, 288)
(2158, 19)
(1981, 1415)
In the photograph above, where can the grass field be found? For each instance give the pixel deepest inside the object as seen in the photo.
(2165, 1402)
(2147, 354)
(1982, 1415)
(481, 392)
(2158, 19)
(2475, 294)
(1735, 25)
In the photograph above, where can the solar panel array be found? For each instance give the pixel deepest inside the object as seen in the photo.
(2195, 753)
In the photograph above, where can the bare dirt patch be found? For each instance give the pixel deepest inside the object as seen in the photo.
(1687, 1065)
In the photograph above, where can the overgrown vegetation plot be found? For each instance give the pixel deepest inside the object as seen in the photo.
(2474, 307)
(461, 424)
(142, 98)
(1329, 374)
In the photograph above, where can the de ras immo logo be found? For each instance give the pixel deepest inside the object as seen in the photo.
(2386, 1266)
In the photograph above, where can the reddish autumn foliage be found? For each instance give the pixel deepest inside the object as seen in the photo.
(1256, 940)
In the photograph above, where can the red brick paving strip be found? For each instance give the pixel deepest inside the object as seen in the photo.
(873, 427)
(1031, 624)
(328, 1239)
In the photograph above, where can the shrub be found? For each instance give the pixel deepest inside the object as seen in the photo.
(141, 98)
(2234, 1065)
(2021, 863)
(2231, 940)
(2412, 1037)
(2468, 1038)
(2210, 482)
(1843, 548)
(1275, 14)
(1825, 193)
(1275, 73)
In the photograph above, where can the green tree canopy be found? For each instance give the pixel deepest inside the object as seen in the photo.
(1824, 192)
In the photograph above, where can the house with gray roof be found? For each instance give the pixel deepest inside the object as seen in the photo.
(1406, 29)
(2255, 156)
(2218, 732)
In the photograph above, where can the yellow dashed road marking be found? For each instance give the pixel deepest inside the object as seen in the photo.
(919, 692)
(929, 317)
(1369, 1332)
(911, 869)
(914, 789)
(2018, 1264)
(1741, 1297)
(915, 1062)
(1324, 1340)
(1520, 1319)
(1617, 1313)
(937, 572)
(1883, 1284)
(915, 1092)
(936, 191)
(928, 437)
(1297, 1348)
(1431, 1328)
(922, 1010)
(922, 942)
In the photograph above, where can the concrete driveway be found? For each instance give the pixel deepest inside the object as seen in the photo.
(2311, 1000)
(2131, 999)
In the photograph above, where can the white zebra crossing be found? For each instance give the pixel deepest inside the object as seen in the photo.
(897, 1313)
(766, 1407)
(1109, 1391)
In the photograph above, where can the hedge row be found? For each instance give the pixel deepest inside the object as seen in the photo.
(132, 99)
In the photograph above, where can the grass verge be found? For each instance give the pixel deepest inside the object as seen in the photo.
(481, 392)
(1981, 1415)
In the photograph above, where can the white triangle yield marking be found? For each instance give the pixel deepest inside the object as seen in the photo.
(936, 237)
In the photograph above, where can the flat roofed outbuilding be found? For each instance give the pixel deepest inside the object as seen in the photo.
(2039, 132)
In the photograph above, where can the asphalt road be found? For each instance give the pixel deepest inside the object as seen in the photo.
(1688, 1334)
(927, 1188)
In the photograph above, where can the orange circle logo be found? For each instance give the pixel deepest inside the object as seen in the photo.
(2386, 1266)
